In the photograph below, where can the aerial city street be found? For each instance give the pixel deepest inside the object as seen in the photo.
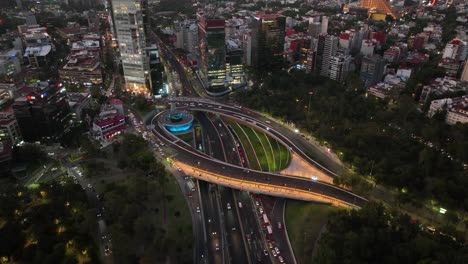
(233, 132)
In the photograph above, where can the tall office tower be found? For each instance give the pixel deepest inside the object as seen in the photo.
(319, 48)
(128, 19)
(268, 32)
(42, 112)
(212, 54)
(372, 69)
(315, 29)
(155, 80)
(234, 67)
(324, 25)
(329, 50)
(339, 67)
(378, 6)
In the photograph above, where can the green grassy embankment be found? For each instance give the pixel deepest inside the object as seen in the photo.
(305, 221)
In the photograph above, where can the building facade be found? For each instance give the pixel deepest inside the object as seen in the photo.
(372, 69)
(329, 50)
(42, 113)
(130, 30)
(339, 67)
(268, 32)
(212, 62)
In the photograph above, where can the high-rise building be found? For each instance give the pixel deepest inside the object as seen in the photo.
(42, 112)
(368, 47)
(319, 48)
(464, 76)
(378, 7)
(339, 67)
(315, 29)
(311, 60)
(324, 25)
(268, 32)
(130, 30)
(372, 69)
(155, 80)
(329, 50)
(212, 62)
(247, 47)
(187, 35)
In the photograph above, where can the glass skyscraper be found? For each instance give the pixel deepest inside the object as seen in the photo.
(130, 30)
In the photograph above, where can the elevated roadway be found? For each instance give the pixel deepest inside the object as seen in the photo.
(207, 168)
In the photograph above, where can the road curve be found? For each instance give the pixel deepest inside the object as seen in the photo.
(189, 155)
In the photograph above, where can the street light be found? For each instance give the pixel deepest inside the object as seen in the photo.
(310, 97)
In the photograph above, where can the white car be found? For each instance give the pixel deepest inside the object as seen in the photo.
(198, 209)
(228, 206)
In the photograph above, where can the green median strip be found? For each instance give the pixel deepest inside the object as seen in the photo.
(246, 146)
(266, 149)
(257, 146)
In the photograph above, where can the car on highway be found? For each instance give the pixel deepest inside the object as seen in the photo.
(270, 245)
(228, 206)
(240, 205)
(198, 209)
(277, 250)
(274, 253)
(280, 258)
(260, 210)
(265, 252)
(217, 246)
(257, 203)
(107, 250)
(280, 225)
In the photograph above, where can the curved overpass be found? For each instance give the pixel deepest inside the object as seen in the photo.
(210, 169)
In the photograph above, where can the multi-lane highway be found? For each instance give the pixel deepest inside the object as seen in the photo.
(230, 229)
(188, 155)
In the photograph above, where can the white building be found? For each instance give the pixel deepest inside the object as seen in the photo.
(128, 18)
(187, 35)
(455, 49)
(457, 109)
(367, 47)
(324, 24)
(339, 67)
(329, 50)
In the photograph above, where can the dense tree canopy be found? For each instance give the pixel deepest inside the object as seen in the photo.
(371, 235)
(378, 139)
(46, 224)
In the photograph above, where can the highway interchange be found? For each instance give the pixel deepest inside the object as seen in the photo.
(228, 225)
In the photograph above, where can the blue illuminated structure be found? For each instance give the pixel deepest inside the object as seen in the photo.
(176, 121)
(179, 128)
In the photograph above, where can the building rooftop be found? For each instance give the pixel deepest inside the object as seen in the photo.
(38, 51)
